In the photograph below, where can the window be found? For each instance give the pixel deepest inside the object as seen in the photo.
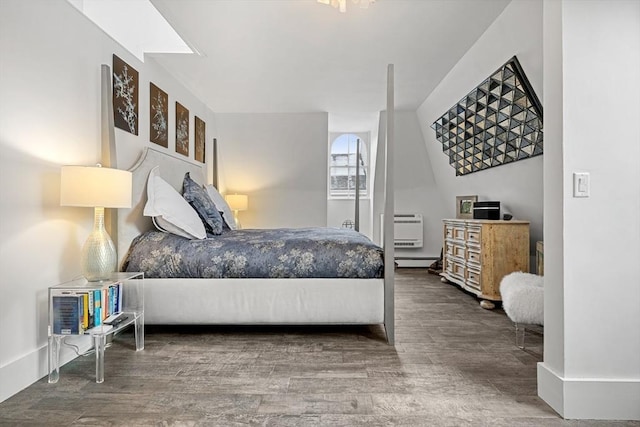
(342, 166)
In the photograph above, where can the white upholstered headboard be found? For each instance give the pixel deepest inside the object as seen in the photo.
(131, 222)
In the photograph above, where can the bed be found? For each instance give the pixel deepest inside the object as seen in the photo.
(244, 300)
(284, 253)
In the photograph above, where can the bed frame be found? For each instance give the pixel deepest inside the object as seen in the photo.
(252, 301)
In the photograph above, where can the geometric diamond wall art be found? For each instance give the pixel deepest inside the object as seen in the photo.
(498, 122)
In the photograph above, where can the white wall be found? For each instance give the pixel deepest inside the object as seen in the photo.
(518, 186)
(280, 162)
(592, 368)
(554, 193)
(414, 185)
(340, 210)
(49, 116)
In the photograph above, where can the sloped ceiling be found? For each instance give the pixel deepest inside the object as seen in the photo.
(302, 56)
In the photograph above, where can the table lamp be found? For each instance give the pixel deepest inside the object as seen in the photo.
(237, 202)
(99, 188)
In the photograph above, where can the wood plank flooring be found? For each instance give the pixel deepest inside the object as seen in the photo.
(454, 364)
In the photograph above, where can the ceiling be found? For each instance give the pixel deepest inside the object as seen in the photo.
(267, 56)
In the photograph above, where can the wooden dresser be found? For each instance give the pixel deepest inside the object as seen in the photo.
(479, 253)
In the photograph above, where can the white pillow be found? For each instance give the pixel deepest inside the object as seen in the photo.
(222, 206)
(170, 211)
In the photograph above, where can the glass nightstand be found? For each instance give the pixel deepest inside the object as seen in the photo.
(80, 307)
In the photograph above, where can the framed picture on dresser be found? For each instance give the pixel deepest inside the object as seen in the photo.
(464, 206)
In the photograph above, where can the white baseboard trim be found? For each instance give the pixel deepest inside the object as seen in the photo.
(589, 398)
(550, 388)
(22, 372)
(421, 263)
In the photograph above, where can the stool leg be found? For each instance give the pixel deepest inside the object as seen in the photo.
(520, 332)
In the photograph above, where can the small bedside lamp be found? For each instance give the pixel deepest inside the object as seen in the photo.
(237, 202)
(99, 188)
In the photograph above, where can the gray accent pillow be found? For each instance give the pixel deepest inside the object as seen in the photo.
(223, 206)
(203, 205)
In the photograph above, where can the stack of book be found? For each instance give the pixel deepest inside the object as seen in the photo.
(77, 311)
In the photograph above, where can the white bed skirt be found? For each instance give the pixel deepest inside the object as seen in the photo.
(263, 301)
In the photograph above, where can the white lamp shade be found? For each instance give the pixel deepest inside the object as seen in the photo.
(237, 202)
(93, 186)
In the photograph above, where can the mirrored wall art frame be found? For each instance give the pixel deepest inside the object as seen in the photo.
(498, 122)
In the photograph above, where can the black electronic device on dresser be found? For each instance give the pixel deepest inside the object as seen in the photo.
(486, 210)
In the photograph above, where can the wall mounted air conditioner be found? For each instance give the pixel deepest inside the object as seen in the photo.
(407, 230)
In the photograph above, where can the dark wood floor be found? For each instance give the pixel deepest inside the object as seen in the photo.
(454, 364)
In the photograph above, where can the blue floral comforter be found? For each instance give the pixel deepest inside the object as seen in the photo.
(284, 253)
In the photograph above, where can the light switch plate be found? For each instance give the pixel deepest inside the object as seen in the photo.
(581, 184)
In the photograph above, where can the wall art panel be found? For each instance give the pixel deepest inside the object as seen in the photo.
(125, 96)
(200, 134)
(498, 122)
(159, 123)
(182, 129)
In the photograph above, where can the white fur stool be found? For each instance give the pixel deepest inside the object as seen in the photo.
(523, 301)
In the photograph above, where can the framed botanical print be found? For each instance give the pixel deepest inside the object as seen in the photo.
(159, 113)
(125, 96)
(182, 129)
(199, 139)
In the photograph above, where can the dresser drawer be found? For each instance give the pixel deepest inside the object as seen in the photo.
(448, 248)
(473, 257)
(450, 267)
(458, 251)
(448, 231)
(447, 265)
(473, 278)
(458, 233)
(474, 235)
(458, 270)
